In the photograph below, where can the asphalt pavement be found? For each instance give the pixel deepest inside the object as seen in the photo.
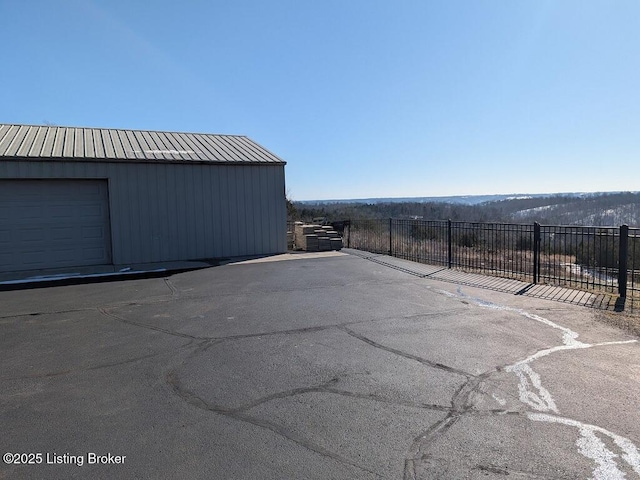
(312, 367)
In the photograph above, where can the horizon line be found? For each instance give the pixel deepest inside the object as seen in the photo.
(362, 199)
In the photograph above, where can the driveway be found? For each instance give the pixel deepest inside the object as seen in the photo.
(312, 367)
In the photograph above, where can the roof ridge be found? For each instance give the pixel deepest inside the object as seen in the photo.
(99, 144)
(122, 129)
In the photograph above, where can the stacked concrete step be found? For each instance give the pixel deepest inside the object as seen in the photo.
(324, 244)
(315, 238)
(335, 240)
(305, 237)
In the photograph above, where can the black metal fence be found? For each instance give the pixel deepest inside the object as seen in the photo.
(632, 262)
(590, 258)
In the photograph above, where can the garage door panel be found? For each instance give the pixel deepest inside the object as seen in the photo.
(31, 258)
(25, 212)
(5, 237)
(5, 260)
(90, 211)
(60, 211)
(62, 233)
(92, 254)
(92, 233)
(60, 256)
(31, 235)
(64, 255)
(53, 224)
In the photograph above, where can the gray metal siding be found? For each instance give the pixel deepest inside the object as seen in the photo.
(167, 211)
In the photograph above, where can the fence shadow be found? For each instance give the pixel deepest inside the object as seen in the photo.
(576, 264)
(597, 300)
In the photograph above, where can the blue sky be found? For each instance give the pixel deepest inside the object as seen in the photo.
(362, 98)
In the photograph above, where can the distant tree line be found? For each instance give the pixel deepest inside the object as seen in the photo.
(611, 209)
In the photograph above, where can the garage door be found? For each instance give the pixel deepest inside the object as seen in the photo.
(53, 224)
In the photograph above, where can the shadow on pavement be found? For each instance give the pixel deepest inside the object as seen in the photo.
(598, 300)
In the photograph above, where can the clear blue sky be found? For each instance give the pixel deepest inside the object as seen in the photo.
(362, 98)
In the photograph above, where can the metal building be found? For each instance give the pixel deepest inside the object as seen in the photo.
(84, 196)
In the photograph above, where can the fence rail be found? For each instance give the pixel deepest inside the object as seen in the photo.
(590, 258)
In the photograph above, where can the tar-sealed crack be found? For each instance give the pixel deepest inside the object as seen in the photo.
(172, 288)
(378, 398)
(89, 369)
(531, 393)
(534, 395)
(113, 316)
(240, 414)
(459, 403)
(53, 312)
(495, 470)
(292, 331)
(410, 356)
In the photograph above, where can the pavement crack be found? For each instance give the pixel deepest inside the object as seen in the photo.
(292, 331)
(535, 395)
(431, 314)
(240, 415)
(496, 412)
(460, 401)
(409, 356)
(377, 398)
(409, 469)
(460, 405)
(285, 394)
(37, 314)
(299, 440)
(326, 388)
(88, 369)
(113, 316)
(191, 398)
(171, 287)
(408, 317)
(493, 469)
(418, 448)
(315, 288)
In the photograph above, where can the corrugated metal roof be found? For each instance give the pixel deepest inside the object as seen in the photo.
(33, 142)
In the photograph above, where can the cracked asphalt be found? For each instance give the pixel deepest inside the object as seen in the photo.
(317, 367)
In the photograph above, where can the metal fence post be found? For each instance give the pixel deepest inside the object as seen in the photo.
(623, 260)
(390, 238)
(449, 244)
(349, 235)
(536, 252)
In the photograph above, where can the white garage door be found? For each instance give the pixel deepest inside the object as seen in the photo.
(53, 223)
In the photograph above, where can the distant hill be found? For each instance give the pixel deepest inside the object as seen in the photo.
(596, 209)
(606, 209)
(462, 199)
